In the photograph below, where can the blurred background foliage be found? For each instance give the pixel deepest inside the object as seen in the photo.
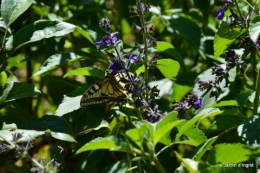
(189, 25)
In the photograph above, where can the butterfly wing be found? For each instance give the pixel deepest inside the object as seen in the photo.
(106, 90)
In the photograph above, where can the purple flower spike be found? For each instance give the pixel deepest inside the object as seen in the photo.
(221, 13)
(134, 57)
(100, 44)
(197, 104)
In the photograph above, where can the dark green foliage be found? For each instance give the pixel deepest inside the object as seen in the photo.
(189, 72)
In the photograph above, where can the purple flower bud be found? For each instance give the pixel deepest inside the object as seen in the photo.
(197, 104)
(221, 13)
(100, 44)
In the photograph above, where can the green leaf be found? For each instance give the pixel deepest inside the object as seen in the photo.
(190, 165)
(87, 35)
(14, 91)
(118, 167)
(187, 29)
(242, 98)
(226, 121)
(37, 31)
(164, 127)
(169, 49)
(56, 61)
(5, 91)
(62, 136)
(87, 71)
(225, 36)
(249, 131)
(93, 157)
(203, 114)
(254, 28)
(223, 169)
(168, 67)
(15, 169)
(226, 103)
(140, 70)
(21, 90)
(27, 135)
(32, 127)
(112, 142)
(71, 101)
(4, 27)
(137, 135)
(194, 133)
(232, 153)
(150, 129)
(205, 147)
(207, 76)
(12, 9)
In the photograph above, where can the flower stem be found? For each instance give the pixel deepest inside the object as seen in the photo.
(251, 6)
(240, 14)
(142, 20)
(158, 165)
(257, 92)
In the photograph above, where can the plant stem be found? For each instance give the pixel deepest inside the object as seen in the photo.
(142, 20)
(250, 6)
(139, 166)
(240, 14)
(158, 165)
(257, 92)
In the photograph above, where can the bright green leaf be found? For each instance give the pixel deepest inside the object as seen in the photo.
(137, 135)
(196, 134)
(170, 117)
(203, 114)
(140, 70)
(169, 49)
(225, 36)
(226, 103)
(168, 67)
(164, 127)
(71, 101)
(232, 153)
(87, 71)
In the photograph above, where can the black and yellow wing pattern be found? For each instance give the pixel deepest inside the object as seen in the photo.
(107, 90)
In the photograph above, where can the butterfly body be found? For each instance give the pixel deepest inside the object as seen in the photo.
(108, 90)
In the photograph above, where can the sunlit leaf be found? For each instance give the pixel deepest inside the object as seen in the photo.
(56, 61)
(225, 36)
(111, 142)
(232, 153)
(254, 28)
(248, 131)
(168, 67)
(86, 71)
(12, 9)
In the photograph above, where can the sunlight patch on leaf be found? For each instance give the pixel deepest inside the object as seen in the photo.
(56, 61)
